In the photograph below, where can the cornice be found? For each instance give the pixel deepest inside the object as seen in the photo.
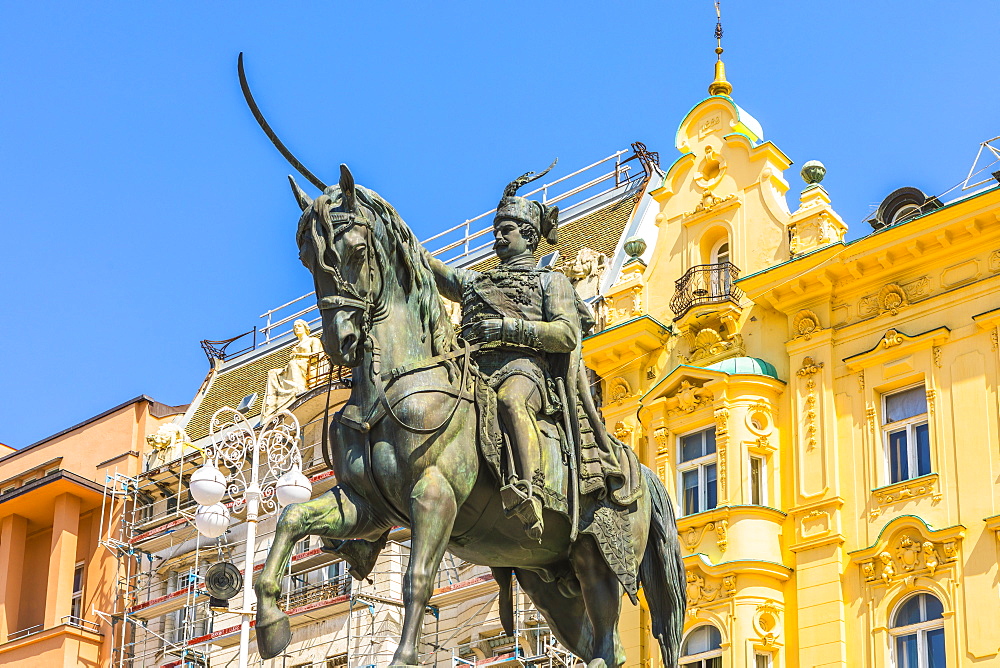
(929, 239)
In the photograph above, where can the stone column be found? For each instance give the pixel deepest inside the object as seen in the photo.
(13, 534)
(62, 559)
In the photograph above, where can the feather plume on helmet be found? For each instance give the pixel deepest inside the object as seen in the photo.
(543, 218)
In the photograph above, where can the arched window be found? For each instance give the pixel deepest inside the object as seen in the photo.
(702, 648)
(918, 631)
(721, 278)
(720, 254)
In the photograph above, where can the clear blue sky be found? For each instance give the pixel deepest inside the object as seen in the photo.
(143, 210)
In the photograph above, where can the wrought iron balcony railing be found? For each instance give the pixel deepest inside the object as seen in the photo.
(706, 284)
(332, 588)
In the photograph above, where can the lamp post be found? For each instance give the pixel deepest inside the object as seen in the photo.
(273, 478)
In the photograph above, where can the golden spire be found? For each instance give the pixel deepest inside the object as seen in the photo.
(720, 86)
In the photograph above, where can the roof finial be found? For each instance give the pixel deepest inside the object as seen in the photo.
(720, 86)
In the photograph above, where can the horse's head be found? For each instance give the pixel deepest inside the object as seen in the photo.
(367, 266)
(337, 243)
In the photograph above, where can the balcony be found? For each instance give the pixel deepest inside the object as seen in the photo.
(310, 594)
(706, 284)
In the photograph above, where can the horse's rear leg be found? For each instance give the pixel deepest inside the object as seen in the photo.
(602, 594)
(567, 616)
(432, 509)
(334, 514)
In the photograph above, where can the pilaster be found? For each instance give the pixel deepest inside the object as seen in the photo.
(62, 559)
(13, 534)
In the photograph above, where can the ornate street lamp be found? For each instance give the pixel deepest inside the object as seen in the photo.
(263, 470)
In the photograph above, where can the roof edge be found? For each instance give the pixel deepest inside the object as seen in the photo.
(157, 409)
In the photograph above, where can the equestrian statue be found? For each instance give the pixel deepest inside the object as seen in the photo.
(485, 441)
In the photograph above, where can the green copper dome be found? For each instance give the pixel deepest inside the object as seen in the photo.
(745, 365)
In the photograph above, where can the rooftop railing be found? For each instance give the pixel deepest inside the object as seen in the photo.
(470, 238)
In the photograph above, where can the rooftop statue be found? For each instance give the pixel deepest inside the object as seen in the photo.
(422, 441)
(283, 385)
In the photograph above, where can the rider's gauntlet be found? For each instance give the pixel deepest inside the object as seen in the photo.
(520, 333)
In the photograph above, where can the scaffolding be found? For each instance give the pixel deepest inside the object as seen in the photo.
(156, 612)
(161, 615)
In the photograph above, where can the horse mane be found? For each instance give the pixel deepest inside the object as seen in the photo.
(402, 250)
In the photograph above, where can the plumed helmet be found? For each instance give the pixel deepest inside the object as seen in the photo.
(544, 218)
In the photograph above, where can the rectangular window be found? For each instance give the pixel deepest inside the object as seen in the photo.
(757, 495)
(906, 435)
(76, 606)
(696, 468)
(762, 660)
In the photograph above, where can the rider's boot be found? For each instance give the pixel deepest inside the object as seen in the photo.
(518, 500)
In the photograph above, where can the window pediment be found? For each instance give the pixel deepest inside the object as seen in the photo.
(905, 548)
(895, 343)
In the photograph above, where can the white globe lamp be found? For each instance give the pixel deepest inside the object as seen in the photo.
(212, 521)
(207, 485)
(293, 487)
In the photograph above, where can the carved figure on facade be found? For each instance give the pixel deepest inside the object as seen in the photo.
(891, 339)
(930, 557)
(766, 622)
(703, 591)
(891, 299)
(284, 385)
(167, 443)
(721, 450)
(908, 489)
(620, 390)
(623, 431)
(913, 556)
(587, 272)
(916, 289)
(709, 343)
(722, 534)
(688, 397)
(662, 439)
(693, 535)
(809, 369)
(907, 552)
(813, 232)
(888, 568)
(805, 324)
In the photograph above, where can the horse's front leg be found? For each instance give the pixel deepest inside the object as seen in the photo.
(432, 511)
(334, 514)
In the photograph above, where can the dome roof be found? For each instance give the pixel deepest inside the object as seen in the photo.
(745, 365)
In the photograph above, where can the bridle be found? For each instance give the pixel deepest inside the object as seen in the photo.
(374, 309)
(347, 295)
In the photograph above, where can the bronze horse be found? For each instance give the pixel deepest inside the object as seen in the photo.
(405, 453)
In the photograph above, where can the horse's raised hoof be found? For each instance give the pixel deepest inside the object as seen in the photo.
(274, 637)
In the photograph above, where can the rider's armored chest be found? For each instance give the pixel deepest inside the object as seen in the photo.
(511, 293)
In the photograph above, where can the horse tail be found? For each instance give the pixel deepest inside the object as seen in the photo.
(662, 572)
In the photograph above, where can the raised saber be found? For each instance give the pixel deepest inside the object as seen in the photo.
(312, 178)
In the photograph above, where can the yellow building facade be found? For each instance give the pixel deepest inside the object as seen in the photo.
(823, 412)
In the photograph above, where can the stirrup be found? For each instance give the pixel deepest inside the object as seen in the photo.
(514, 495)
